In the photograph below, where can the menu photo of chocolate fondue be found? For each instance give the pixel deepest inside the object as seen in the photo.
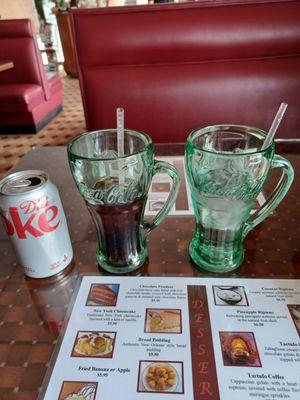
(239, 349)
(230, 296)
(94, 344)
(159, 320)
(160, 377)
(101, 294)
(73, 390)
(294, 310)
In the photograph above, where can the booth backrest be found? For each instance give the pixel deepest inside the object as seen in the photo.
(18, 44)
(177, 67)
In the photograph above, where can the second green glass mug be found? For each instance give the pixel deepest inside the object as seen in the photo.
(115, 189)
(226, 169)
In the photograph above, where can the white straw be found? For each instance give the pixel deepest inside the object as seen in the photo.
(275, 125)
(120, 142)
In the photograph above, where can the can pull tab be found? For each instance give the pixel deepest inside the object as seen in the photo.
(34, 181)
(19, 183)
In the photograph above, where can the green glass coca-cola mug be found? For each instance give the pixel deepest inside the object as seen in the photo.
(115, 189)
(227, 170)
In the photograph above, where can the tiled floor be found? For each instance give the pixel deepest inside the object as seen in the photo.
(69, 123)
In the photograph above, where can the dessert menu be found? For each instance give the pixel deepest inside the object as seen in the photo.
(162, 338)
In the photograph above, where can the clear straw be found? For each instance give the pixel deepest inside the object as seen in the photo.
(120, 142)
(275, 125)
(120, 131)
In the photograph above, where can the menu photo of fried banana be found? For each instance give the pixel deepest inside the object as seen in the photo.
(75, 390)
(94, 344)
(160, 377)
(159, 320)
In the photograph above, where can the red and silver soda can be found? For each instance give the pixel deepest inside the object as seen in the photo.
(35, 221)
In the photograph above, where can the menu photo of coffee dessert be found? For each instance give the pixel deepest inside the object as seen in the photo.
(160, 377)
(230, 296)
(294, 310)
(94, 344)
(101, 294)
(73, 390)
(239, 349)
(159, 320)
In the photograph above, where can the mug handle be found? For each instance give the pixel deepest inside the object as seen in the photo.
(275, 197)
(162, 167)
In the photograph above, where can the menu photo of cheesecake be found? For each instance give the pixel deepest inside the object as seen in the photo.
(94, 344)
(163, 320)
(101, 294)
(75, 390)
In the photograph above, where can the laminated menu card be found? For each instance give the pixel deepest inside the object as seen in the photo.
(161, 338)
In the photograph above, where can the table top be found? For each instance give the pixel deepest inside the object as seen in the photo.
(4, 65)
(32, 311)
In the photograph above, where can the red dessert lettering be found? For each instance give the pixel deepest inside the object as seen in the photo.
(201, 349)
(199, 318)
(197, 304)
(205, 388)
(200, 333)
(203, 367)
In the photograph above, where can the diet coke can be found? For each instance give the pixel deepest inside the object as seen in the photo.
(35, 221)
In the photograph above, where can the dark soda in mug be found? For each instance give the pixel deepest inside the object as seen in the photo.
(119, 230)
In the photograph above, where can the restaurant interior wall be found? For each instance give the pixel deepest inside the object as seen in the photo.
(16, 9)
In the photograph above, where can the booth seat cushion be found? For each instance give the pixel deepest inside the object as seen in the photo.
(54, 82)
(177, 67)
(20, 97)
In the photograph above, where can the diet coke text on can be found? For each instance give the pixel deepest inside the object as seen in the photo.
(35, 222)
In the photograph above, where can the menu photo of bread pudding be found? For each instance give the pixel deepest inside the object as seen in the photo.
(94, 344)
(103, 295)
(161, 377)
(74, 390)
(163, 320)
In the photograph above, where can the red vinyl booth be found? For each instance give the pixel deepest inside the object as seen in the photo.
(28, 99)
(176, 67)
